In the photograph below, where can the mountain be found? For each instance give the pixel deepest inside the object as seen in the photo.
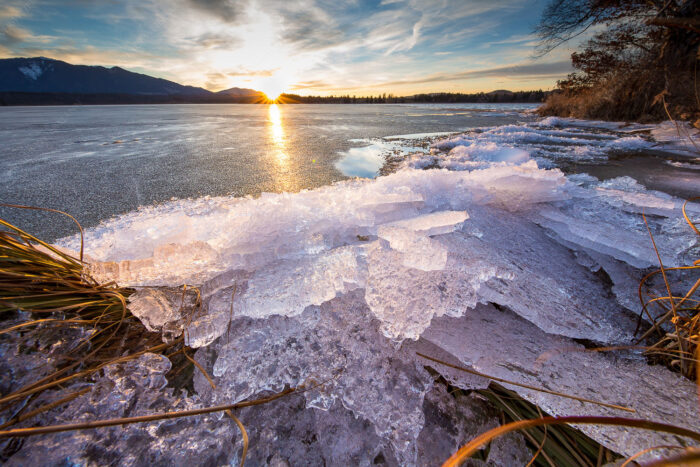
(45, 75)
(500, 92)
(240, 92)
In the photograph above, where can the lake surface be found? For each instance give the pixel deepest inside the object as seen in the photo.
(95, 162)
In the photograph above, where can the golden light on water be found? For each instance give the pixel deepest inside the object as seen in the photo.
(277, 131)
(279, 143)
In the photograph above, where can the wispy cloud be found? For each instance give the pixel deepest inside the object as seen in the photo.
(10, 11)
(517, 39)
(11, 35)
(314, 46)
(526, 71)
(532, 70)
(227, 10)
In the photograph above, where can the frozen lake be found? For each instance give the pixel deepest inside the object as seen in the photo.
(468, 234)
(99, 161)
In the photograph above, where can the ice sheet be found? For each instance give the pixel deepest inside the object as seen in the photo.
(520, 352)
(336, 284)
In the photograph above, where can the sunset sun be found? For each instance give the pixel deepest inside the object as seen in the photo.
(272, 87)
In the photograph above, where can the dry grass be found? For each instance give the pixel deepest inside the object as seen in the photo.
(48, 291)
(676, 345)
(557, 445)
(469, 449)
(52, 293)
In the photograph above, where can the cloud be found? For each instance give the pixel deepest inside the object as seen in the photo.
(11, 35)
(410, 42)
(226, 10)
(134, 61)
(261, 73)
(10, 11)
(212, 40)
(316, 84)
(314, 45)
(517, 39)
(522, 70)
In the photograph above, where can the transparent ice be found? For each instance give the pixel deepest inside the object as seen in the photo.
(479, 253)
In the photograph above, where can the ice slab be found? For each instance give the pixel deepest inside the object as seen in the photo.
(427, 261)
(544, 141)
(676, 137)
(288, 287)
(518, 351)
(606, 218)
(410, 237)
(429, 224)
(496, 257)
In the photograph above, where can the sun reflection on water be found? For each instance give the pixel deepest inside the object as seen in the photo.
(278, 138)
(275, 117)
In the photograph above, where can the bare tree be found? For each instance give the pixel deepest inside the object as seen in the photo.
(643, 53)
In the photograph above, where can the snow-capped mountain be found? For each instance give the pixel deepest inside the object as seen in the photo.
(45, 75)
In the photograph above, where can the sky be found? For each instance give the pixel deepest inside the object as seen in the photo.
(307, 47)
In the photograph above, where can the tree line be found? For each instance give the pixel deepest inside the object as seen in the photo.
(438, 97)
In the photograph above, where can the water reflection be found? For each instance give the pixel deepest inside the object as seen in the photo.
(281, 158)
(275, 117)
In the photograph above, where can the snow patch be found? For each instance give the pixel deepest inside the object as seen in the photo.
(32, 71)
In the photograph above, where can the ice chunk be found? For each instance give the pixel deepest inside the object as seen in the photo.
(196, 240)
(290, 286)
(490, 152)
(170, 262)
(338, 343)
(128, 389)
(606, 217)
(429, 224)
(410, 237)
(285, 288)
(405, 298)
(518, 351)
(678, 137)
(606, 238)
(158, 307)
(288, 433)
(551, 139)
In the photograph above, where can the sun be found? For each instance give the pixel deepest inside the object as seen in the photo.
(272, 87)
(272, 96)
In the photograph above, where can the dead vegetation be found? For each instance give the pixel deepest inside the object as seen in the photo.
(641, 66)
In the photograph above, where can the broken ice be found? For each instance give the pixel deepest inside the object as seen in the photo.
(358, 275)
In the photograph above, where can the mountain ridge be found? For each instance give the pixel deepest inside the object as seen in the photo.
(47, 75)
(239, 92)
